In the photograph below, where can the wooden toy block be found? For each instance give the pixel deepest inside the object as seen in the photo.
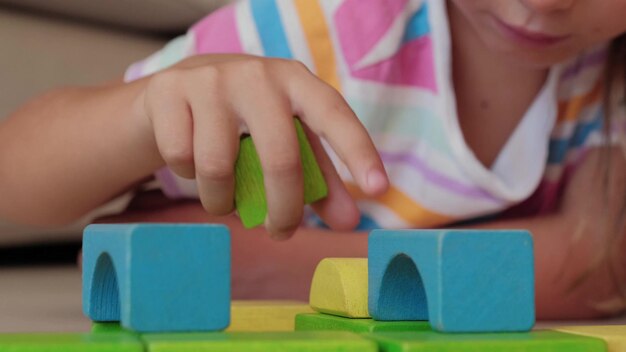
(157, 277)
(339, 287)
(459, 280)
(104, 328)
(613, 335)
(326, 322)
(102, 342)
(250, 198)
(536, 341)
(248, 316)
(259, 342)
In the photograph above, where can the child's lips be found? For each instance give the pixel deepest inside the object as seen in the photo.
(523, 36)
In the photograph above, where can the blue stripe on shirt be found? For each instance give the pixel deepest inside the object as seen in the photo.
(270, 28)
(418, 25)
(367, 224)
(560, 147)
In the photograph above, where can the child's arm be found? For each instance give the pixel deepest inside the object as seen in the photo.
(71, 150)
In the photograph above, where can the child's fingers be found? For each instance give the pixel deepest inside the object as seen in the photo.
(273, 131)
(172, 123)
(326, 112)
(216, 144)
(338, 210)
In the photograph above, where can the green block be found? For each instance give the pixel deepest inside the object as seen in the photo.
(534, 341)
(98, 328)
(259, 342)
(250, 198)
(102, 342)
(321, 322)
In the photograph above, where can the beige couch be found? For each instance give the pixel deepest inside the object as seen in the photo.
(50, 43)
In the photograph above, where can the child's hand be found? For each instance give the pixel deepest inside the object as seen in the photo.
(199, 107)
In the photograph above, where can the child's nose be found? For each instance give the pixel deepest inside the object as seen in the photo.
(547, 6)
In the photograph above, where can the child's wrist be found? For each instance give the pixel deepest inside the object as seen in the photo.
(142, 127)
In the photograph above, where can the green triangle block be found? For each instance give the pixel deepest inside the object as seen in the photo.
(534, 341)
(259, 342)
(102, 342)
(250, 198)
(326, 322)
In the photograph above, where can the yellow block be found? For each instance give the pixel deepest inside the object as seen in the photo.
(339, 287)
(614, 335)
(265, 316)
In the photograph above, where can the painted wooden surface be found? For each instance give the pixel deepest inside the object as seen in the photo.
(536, 341)
(259, 342)
(158, 277)
(68, 342)
(266, 316)
(339, 287)
(326, 322)
(107, 327)
(250, 198)
(458, 280)
(246, 316)
(613, 335)
(122, 341)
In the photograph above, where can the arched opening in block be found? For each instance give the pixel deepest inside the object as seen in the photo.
(402, 294)
(105, 297)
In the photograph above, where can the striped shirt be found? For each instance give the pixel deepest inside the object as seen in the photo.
(391, 60)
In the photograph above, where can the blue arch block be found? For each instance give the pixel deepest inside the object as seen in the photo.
(459, 280)
(157, 277)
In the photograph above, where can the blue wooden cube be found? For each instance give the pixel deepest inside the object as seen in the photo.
(157, 277)
(459, 280)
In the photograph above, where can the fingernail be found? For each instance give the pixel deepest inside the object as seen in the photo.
(376, 181)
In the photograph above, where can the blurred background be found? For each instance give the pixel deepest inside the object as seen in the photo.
(50, 43)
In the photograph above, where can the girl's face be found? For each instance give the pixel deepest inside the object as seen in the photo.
(541, 33)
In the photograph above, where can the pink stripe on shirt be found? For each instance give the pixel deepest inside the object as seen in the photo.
(359, 31)
(218, 33)
(412, 65)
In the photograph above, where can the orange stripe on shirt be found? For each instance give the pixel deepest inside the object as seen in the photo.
(406, 208)
(569, 110)
(318, 38)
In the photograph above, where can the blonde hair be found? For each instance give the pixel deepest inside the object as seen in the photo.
(615, 82)
(614, 225)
